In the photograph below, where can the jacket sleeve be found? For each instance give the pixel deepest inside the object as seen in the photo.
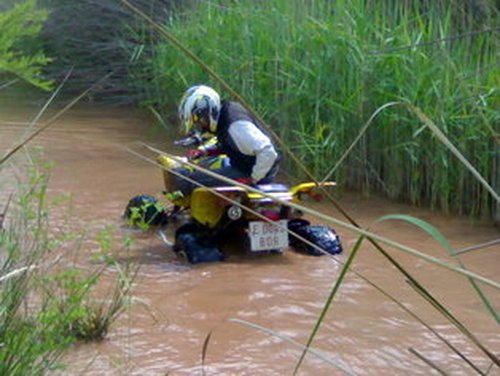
(250, 140)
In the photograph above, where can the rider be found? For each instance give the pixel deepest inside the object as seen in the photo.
(253, 157)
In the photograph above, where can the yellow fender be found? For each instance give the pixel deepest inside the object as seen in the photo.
(309, 189)
(208, 208)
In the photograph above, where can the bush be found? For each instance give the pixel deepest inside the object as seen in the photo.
(45, 309)
(19, 54)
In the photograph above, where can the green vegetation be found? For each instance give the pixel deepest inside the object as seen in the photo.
(432, 231)
(46, 305)
(19, 54)
(97, 38)
(347, 266)
(317, 71)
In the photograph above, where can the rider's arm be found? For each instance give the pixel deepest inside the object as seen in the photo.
(250, 140)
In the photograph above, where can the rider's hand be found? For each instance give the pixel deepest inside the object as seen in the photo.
(213, 151)
(194, 154)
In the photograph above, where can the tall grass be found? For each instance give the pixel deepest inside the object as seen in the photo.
(316, 71)
(45, 304)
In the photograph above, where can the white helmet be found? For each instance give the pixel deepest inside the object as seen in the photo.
(200, 105)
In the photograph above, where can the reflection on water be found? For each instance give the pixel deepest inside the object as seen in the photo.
(177, 306)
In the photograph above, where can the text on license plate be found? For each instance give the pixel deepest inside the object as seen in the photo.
(268, 235)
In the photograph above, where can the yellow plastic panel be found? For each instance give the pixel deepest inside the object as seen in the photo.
(208, 208)
(308, 187)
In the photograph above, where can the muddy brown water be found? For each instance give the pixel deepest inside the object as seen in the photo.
(177, 306)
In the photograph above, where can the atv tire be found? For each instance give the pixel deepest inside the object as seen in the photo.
(322, 236)
(194, 247)
(144, 209)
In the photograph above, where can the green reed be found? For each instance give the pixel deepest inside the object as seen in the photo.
(45, 306)
(427, 124)
(317, 70)
(44, 310)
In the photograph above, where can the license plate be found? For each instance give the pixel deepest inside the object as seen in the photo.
(268, 235)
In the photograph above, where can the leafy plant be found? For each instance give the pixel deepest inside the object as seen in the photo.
(19, 26)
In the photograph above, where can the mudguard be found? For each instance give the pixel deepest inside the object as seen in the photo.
(309, 189)
(208, 208)
(320, 235)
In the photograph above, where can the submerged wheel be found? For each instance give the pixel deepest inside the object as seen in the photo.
(145, 210)
(192, 246)
(322, 236)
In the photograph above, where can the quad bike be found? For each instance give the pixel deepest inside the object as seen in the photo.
(209, 218)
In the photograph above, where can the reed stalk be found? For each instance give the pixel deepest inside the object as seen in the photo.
(329, 65)
(329, 299)
(44, 310)
(36, 326)
(373, 238)
(329, 84)
(50, 122)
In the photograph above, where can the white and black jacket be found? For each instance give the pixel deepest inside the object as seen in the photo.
(245, 142)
